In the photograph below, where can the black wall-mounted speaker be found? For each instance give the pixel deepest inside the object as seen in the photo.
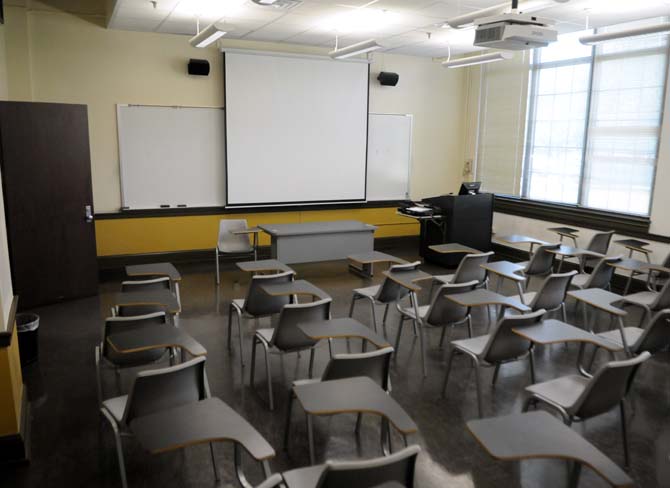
(198, 67)
(387, 78)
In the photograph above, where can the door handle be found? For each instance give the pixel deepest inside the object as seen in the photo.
(88, 213)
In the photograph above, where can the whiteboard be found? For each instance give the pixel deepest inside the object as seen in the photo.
(171, 156)
(389, 156)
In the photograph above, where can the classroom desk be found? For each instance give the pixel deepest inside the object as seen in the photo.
(351, 395)
(263, 266)
(363, 263)
(203, 422)
(636, 245)
(567, 232)
(319, 241)
(297, 287)
(453, 248)
(633, 267)
(157, 269)
(572, 252)
(520, 239)
(163, 298)
(343, 328)
(509, 271)
(534, 435)
(159, 336)
(481, 297)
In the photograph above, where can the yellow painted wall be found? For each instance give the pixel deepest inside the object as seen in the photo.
(183, 233)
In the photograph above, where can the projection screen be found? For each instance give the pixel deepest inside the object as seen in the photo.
(296, 129)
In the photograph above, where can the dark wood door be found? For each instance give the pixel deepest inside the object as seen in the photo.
(46, 179)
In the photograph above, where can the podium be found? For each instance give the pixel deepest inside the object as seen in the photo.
(464, 219)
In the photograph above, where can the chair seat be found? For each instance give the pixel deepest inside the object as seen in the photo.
(238, 303)
(236, 249)
(580, 280)
(446, 279)
(643, 298)
(128, 360)
(632, 335)
(370, 291)
(303, 477)
(564, 391)
(409, 311)
(265, 334)
(116, 406)
(475, 346)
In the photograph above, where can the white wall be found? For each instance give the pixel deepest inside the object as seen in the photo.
(58, 57)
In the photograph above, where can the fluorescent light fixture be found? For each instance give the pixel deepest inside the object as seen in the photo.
(354, 49)
(621, 34)
(525, 7)
(360, 20)
(208, 35)
(475, 60)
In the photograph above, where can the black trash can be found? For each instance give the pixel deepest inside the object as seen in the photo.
(27, 328)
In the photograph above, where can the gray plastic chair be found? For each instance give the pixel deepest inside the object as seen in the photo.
(162, 283)
(396, 470)
(541, 263)
(491, 350)
(257, 304)
(104, 354)
(600, 277)
(375, 365)
(469, 269)
(551, 295)
(654, 338)
(441, 312)
(600, 243)
(154, 391)
(229, 243)
(649, 301)
(385, 294)
(286, 337)
(579, 398)
(657, 279)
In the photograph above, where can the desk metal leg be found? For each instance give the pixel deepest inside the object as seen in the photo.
(238, 468)
(628, 283)
(623, 336)
(413, 299)
(310, 440)
(520, 290)
(574, 475)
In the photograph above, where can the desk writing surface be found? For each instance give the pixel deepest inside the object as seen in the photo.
(162, 297)
(297, 287)
(159, 336)
(209, 420)
(656, 267)
(453, 247)
(481, 297)
(541, 435)
(308, 228)
(353, 395)
(342, 328)
(636, 244)
(505, 269)
(408, 278)
(630, 265)
(375, 257)
(519, 239)
(564, 250)
(567, 231)
(154, 269)
(263, 266)
(600, 299)
(554, 332)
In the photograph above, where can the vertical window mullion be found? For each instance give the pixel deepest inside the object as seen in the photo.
(587, 123)
(530, 125)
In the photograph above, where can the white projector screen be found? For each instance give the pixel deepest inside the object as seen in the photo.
(296, 129)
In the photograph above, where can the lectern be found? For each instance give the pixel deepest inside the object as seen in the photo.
(464, 219)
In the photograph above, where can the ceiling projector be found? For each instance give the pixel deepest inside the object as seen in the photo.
(514, 32)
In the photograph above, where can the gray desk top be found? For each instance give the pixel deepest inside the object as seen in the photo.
(375, 257)
(250, 230)
(656, 267)
(566, 231)
(505, 269)
(453, 247)
(519, 239)
(162, 297)
(154, 269)
(206, 421)
(159, 336)
(353, 395)
(600, 299)
(263, 266)
(540, 435)
(574, 251)
(408, 278)
(481, 297)
(554, 331)
(630, 265)
(634, 244)
(308, 228)
(341, 329)
(297, 287)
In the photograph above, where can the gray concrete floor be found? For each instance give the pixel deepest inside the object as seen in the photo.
(72, 447)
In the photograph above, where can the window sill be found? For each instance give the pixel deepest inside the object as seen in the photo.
(630, 225)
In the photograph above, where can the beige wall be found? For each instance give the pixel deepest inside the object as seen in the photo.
(62, 58)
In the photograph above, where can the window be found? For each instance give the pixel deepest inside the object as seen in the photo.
(594, 121)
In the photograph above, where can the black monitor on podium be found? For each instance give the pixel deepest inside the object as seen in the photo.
(470, 188)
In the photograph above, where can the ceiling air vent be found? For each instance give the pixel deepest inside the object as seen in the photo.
(281, 4)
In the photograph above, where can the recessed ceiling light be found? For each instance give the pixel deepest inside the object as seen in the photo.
(360, 20)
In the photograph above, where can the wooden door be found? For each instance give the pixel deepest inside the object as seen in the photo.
(46, 179)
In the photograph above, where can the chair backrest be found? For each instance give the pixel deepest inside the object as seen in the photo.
(656, 336)
(602, 274)
(287, 336)
(114, 325)
(542, 261)
(259, 303)
(374, 364)
(397, 468)
(666, 261)
(662, 300)
(607, 387)
(233, 243)
(600, 242)
(470, 268)
(503, 344)
(390, 291)
(161, 283)
(552, 292)
(443, 311)
(162, 389)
